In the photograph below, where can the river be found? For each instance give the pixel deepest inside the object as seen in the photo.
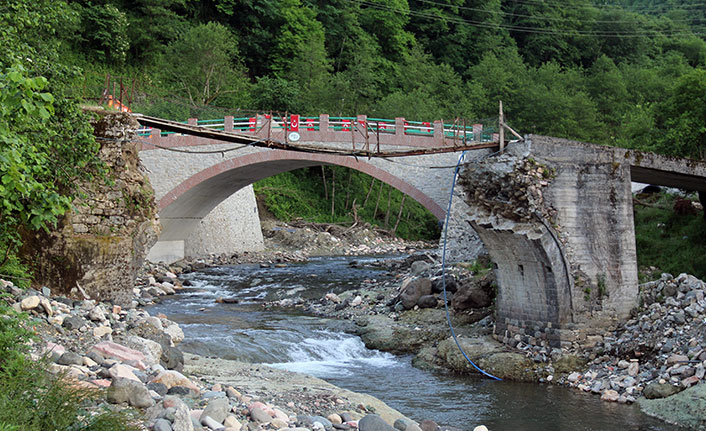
(321, 347)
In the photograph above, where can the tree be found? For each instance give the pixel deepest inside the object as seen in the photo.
(204, 67)
(682, 115)
(104, 32)
(46, 142)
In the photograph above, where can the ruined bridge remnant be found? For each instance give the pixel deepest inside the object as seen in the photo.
(556, 217)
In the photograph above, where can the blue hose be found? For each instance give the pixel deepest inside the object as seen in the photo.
(443, 272)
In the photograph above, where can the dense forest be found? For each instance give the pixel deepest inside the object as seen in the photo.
(627, 73)
(619, 72)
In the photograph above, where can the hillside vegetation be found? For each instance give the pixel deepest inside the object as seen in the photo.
(620, 72)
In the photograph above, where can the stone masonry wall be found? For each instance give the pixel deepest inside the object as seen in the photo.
(101, 245)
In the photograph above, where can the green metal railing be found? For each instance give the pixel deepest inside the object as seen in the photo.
(479, 133)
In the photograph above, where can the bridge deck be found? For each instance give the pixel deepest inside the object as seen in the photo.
(645, 167)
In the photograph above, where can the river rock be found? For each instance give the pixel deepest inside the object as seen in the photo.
(172, 378)
(334, 419)
(323, 421)
(657, 390)
(162, 425)
(70, 358)
(374, 423)
(125, 390)
(473, 294)
(437, 285)
(259, 415)
(402, 424)
(113, 350)
(123, 372)
(419, 267)
(610, 395)
(175, 333)
(428, 425)
(151, 349)
(427, 301)
(232, 422)
(211, 423)
(182, 419)
(415, 290)
(217, 409)
(29, 303)
(73, 322)
(97, 314)
(172, 359)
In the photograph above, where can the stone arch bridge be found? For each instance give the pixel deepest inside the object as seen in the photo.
(555, 216)
(193, 175)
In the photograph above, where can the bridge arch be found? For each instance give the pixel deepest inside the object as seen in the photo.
(185, 205)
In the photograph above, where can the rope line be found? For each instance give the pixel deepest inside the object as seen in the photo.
(443, 273)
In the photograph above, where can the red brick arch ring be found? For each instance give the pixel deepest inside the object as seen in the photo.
(198, 195)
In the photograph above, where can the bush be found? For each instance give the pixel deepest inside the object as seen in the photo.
(33, 400)
(672, 241)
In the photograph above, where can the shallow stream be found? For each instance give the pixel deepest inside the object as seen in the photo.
(320, 347)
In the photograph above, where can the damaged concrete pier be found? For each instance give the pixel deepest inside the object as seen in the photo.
(556, 218)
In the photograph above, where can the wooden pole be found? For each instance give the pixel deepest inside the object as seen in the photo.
(501, 128)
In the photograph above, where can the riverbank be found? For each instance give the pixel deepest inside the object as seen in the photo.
(136, 358)
(654, 355)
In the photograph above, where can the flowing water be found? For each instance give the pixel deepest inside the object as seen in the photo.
(320, 347)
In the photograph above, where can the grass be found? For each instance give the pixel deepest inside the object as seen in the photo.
(672, 242)
(33, 400)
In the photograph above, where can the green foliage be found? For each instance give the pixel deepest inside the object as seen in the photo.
(32, 400)
(203, 66)
(28, 196)
(104, 32)
(301, 194)
(671, 242)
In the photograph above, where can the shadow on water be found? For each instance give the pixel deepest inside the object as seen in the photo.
(322, 348)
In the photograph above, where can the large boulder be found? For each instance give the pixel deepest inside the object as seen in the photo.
(415, 290)
(656, 390)
(687, 408)
(476, 293)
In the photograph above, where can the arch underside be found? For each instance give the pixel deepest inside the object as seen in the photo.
(184, 206)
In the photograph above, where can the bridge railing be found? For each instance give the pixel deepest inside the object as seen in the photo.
(361, 124)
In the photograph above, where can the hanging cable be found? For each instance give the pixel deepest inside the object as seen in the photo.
(443, 272)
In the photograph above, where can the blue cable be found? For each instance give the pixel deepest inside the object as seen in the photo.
(443, 273)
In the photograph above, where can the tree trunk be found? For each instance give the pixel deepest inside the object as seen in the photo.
(389, 204)
(333, 193)
(355, 212)
(372, 183)
(348, 188)
(377, 204)
(323, 178)
(399, 214)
